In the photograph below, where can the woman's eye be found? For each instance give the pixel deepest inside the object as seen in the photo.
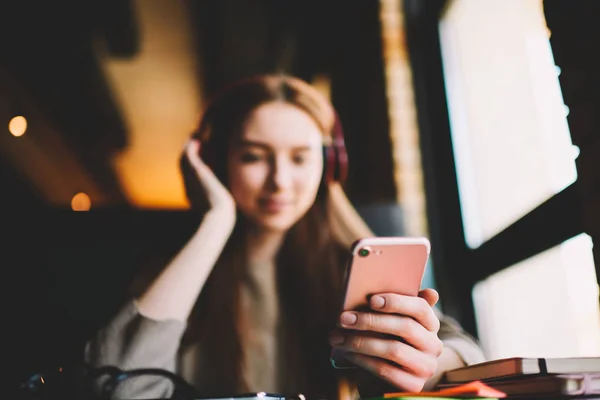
(250, 157)
(299, 159)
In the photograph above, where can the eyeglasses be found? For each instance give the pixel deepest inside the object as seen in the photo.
(85, 382)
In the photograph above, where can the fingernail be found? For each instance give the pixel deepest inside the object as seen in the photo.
(336, 339)
(377, 302)
(348, 318)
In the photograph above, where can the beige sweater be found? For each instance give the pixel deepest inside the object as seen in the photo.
(131, 341)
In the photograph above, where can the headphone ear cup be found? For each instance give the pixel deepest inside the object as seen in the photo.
(334, 165)
(208, 156)
(339, 157)
(328, 164)
(341, 163)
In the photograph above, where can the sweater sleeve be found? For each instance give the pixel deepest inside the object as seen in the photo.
(132, 341)
(454, 337)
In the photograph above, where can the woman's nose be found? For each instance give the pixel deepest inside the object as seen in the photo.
(281, 174)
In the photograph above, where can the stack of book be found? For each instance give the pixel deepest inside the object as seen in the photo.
(532, 377)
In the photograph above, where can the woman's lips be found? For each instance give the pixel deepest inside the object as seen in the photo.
(274, 205)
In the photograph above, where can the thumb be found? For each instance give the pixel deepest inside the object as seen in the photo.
(430, 295)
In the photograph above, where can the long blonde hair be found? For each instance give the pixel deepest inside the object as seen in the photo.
(313, 252)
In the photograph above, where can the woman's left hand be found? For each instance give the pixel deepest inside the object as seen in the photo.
(397, 342)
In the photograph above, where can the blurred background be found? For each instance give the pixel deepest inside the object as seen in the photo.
(469, 121)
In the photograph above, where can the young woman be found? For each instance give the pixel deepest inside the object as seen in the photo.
(252, 301)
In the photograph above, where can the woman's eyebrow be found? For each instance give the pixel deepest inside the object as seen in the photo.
(255, 143)
(252, 143)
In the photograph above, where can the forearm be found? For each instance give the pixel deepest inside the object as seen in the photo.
(174, 292)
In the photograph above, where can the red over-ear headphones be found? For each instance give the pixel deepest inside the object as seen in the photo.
(335, 156)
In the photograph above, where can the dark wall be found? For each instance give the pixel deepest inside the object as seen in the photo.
(338, 38)
(67, 273)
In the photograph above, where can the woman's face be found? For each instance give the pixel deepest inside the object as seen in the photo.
(275, 169)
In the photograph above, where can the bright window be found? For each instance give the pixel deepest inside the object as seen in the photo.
(513, 151)
(546, 306)
(511, 139)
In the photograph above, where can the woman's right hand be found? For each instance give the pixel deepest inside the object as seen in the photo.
(204, 190)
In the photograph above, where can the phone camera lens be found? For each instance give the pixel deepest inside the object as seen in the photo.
(364, 252)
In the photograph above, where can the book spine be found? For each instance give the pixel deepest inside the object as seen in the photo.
(542, 365)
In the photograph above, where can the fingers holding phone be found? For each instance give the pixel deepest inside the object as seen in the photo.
(418, 308)
(397, 342)
(388, 327)
(406, 317)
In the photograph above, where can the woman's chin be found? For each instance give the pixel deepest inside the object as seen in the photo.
(275, 223)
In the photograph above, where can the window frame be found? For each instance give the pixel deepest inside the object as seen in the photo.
(458, 267)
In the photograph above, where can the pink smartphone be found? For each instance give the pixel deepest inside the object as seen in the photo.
(383, 265)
